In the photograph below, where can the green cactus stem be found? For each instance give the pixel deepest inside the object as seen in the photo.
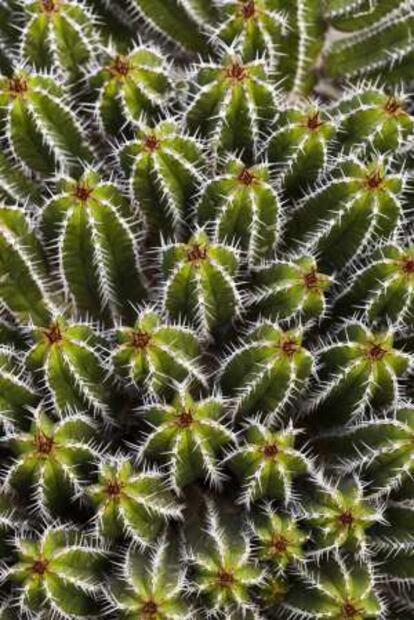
(266, 372)
(361, 369)
(91, 224)
(243, 206)
(51, 461)
(129, 502)
(67, 353)
(190, 435)
(299, 147)
(200, 285)
(359, 204)
(58, 573)
(130, 85)
(289, 289)
(156, 355)
(164, 168)
(59, 34)
(232, 102)
(267, 463)
(17, 393)
(154, 585)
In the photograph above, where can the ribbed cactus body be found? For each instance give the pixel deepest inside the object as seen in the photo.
(289, 289)
(299, 147)
(51, 461)
(92, 225)
(200, 283)
(164, 168)
(129, 86)
(359, 203)
(23, 283)
(155, 355)
(267, 463)
(361, 369)
(190, 435)
(59, 34)
(232, 102)
(336, 591)
(383, 290)
(17, 393)
(280, 539)
(373, 119)
(267, 371)
(58, 573)
(225, 572)
(41, 129)
(131, 502)
(153, 586)
(66, 355)
(244, 208)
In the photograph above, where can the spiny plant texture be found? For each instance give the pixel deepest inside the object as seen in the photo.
(206, 309)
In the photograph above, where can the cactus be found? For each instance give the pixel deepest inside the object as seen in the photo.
(92, 225)
(51, 461)
(128, 86)
(360, 369)
(59, 34)
(267, 371)
(157, 355)
(267, 463)
(289, 289)
(41, 128)
(152, 585)
(67, 355)
(57, 572)
(206, 309)
(164, 168)
(190, 434)
(131, 502)
(244, 207)
(232, 102)
(200, 282)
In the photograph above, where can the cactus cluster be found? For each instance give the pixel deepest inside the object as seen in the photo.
(206, 309)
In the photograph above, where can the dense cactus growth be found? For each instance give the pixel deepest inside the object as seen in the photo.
(206, 310)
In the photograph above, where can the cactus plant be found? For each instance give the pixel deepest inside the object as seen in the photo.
(206, 309)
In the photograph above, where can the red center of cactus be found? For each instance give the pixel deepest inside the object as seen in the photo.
(185, 419)
(237, 72)
(246, 177)
(40, 567)
(149, 610)
(271, 450)
(374, 180)
(82, 193)
(349, 610)
(44, 443)
(18, 85)
(54, 334)
(314, 122)
(376, 353)
(121, 66)
(49, 6)
(346, 519)
(249, 9)
(140, 340)
(408, 266)
(151, 143)
(280, 544)
(113, 488)
(225, 579)
(196, 254)
(311, 279)
(393, 106)
(289, 347)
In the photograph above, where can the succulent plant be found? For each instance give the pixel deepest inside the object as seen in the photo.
(206, 309)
